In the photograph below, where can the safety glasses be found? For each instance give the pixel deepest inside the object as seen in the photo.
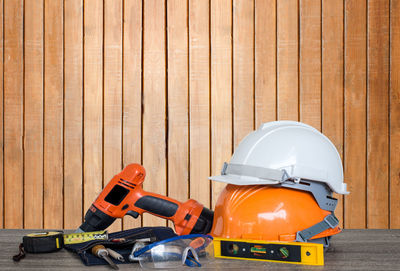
(174, 252)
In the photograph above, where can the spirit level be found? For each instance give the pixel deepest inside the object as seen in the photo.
(258, 250)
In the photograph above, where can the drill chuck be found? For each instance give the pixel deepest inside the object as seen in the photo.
(95, 220)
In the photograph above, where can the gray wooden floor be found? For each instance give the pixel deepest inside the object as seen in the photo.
(350, 250)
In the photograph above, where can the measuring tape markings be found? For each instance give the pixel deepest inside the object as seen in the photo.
(76, 238)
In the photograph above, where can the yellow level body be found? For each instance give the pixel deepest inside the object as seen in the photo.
(259, 250)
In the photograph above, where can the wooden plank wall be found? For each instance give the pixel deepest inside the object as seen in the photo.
(89, 86)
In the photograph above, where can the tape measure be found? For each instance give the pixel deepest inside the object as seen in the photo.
(257, 250)
(41, 242)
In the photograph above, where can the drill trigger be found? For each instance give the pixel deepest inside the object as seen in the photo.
(132, 214)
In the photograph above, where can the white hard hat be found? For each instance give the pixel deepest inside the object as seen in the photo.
(284, 150)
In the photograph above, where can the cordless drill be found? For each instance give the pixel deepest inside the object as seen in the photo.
(124, 195)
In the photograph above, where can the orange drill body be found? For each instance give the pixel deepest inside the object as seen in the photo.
(124, 195)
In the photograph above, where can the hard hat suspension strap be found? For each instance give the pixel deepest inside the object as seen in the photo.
(330, 221)
(277, 175)
(321, 193)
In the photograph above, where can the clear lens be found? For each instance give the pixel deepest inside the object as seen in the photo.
(180, 250)
(162, 256)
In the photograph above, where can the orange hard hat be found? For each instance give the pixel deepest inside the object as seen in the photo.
(263, 212)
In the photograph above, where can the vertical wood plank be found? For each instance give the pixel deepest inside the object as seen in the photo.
(73, 109)
(1, 116)
(355, 113)
(395, 115)
(93, 100)
(154, 88)
(33, 120)
(33, 110)
(199, 86)
(310, 63)
(178, 130)
(287, 54)
(243, 69)
(132, 90)
(332, 79)
(265, 61)
(13, 114)
(221, 89)
(112, 163)
(53, 117)
(377, 142)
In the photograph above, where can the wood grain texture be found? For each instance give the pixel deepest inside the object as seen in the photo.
(112, 144)
(33, 115)
(355, 113)
(13, 114)
(175, 85)
(395, 115)
(199, 100)
(154, 102)
(265, 92)
(243, 69)
(352, 249)
(221, 89)
(332, 79)
(178, 116)
(310, 63)
(93, 101)
(53, 117)
(132, 91)
(1, 115)
(73, 110)
(378, 140)
(287, 58)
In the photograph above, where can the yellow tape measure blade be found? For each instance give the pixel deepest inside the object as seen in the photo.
(76, 238)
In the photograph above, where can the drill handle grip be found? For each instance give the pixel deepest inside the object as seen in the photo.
(157, 205)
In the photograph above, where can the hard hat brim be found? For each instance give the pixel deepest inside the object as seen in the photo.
(242, 180)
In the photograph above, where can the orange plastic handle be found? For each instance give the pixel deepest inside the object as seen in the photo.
(124, 195)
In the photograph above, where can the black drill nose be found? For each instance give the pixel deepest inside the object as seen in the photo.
(96, 220)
